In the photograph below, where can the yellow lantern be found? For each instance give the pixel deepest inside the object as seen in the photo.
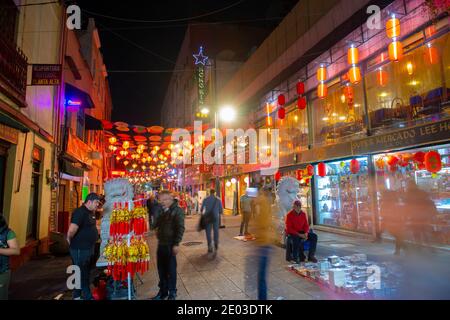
(410, 68)
(352, 55)
(155, 159)
(144, 167)
(134, 165)
(139, 151)
(354, 75)
(112, 140)
(167, 152)
(125, 145)
(126, 162)
(393, 27)
(156, 148)
(118, 158)
(144, 160)
(321, 73)
(395, 51)
(322, 90)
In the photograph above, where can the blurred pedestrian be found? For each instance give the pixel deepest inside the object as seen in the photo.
(9, 246)
(170, 230)
(212, 209)
(154, 209)
(394, 221)
(82, 237)
(265, 237)
(246, 212)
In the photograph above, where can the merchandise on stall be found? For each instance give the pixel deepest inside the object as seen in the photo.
(343, 196)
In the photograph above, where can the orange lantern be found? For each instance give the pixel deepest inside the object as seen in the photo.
(322, 90)
(380, 163)
(382, 77)
(322, 169)
(393, 27)
(392, 161)
(431, 54)
(395, 51)
(430, 31)
(433, 162)
(354, 166)
(354, 74)
(352, 55)
(321, 74)
(301, 103)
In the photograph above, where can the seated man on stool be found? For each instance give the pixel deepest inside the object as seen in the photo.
(297, 230)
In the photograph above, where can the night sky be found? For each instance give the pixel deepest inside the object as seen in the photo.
(132, 49)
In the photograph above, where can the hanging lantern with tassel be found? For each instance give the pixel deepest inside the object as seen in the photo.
(300, 88)
(322, 169)
(281, 100)
(281, 113)
(301, 103)
(354, 74)
(310, 170)
(354, 166)
(433, 162)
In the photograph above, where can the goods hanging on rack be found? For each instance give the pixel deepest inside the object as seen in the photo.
(127, 251)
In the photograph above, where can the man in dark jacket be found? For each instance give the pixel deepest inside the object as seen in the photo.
(212, 208)
(82, 237)
(170, 230)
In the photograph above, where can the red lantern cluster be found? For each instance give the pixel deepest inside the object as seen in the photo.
(299, 174)
(310, 170)
(281, 102)
(301, 101)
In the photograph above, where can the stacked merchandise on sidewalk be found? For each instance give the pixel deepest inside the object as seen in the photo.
(353, 276)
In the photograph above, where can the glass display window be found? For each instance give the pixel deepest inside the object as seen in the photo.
(410, 91)
(342, 197)
(340, 114)
(413, 187)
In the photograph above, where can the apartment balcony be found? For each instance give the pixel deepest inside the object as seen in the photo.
(13, 72)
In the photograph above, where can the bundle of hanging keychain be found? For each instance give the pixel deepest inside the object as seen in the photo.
(127, 251)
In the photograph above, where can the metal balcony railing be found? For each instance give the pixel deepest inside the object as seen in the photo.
(13, 66)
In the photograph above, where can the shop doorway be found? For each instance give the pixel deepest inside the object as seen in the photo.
(33, 213)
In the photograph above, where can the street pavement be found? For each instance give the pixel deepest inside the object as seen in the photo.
(233, 274)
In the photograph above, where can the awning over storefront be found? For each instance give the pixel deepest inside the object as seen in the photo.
(92, 123)
(75, 94)
(69, 168)
(10, 122)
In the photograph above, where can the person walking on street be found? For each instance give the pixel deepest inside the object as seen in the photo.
(170, 230)
(154, 209)
(212, 209)
(246, 210)
(9, 246)
(82, 237)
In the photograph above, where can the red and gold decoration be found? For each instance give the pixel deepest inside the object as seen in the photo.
(433, 162)
(354, 166)
(322, 169)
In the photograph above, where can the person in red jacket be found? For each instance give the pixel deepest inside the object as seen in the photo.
(297, 229)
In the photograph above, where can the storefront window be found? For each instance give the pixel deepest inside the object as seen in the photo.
(410, 91)
(404, 191)
(293, 131)
(342, 198)
(340, 115)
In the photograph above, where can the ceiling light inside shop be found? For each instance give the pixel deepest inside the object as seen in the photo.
(325, 119)
(383, 94)
(342, 118)
(414, 83)
(357, 105)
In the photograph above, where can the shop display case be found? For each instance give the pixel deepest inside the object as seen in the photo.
(342, 198)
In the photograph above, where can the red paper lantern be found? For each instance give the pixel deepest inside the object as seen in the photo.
(300, 87)
(301, 103)
(348, 92)
(281, 113)
(322, 169)
(421, 166)
(299, 174)
(277, 176)
(354, 166)
(310, 170)
(392, 161)
(393, 168)
(307, 180)
(419, 157)
(433, 161)
(281, 100)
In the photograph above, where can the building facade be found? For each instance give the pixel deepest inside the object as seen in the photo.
(394, 108)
